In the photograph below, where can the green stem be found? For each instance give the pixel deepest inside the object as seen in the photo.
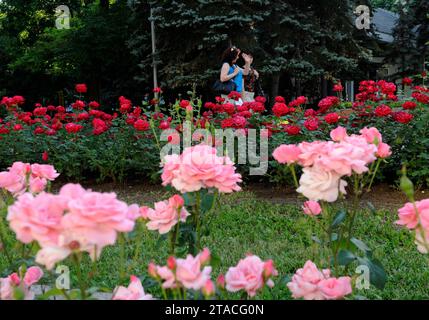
(3, 241)
(82, 284)
(197, 221)
(152, 125)
(292, 170)
(373, 175)
(175, 235)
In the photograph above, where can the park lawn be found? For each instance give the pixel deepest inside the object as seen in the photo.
(247, 224)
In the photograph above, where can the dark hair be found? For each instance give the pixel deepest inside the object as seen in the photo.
(230, 55)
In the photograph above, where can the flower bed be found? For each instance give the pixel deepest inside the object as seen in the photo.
(90, 143)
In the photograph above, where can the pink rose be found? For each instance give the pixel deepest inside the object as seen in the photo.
(37, 218)
(12, 182)
(344, 158)
(44, 171)
(72, 191)
(338, 134)
(135, 291)
(334, 289)
(166, 214)
(305, 282)
(317, 184)
(248, 275)
(168, 276)
(383, 150)
(32, 276)
(287, 154)
(409, 218)
(199, 167)
(363, 150)
(312, 208)
(311, 151)
(190, 274)
(37, 184)
(10, 284)
(93, 220)
(51, 255)
(372, 135)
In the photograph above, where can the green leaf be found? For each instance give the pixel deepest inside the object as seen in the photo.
(377, 275)
(345, 257)
(339, 217)
(207, 202)
(360, 245)
(50, 293)
(189, 199)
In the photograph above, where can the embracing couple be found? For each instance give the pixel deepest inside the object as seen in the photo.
(244, 80)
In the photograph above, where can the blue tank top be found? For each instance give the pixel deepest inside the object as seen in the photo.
(238, 79)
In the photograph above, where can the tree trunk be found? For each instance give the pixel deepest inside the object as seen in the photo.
(275, 84)
(324, 84)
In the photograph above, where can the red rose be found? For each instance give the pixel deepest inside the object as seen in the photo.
(327, 103)
(280, 99)
(310, 113)
(280, 109)
(94, 105)
(164, 125)
(261, 99)
(246, 114)
(257, 107)
(184, 103)
(228, 108)
(50, 132)
(78, 105)
(45, 156)
(99, 126)
(73, 127)
(40, 111)
(311, 124)
(141, 125)
(338, 87)
(81, 88)
(234, 95)
(293, 130)
(332, 118)
(227, 123)
(82, 116)
(4, 130)
(39, 130)
(402, 117)
(239, 122)
(242, 108)
(407, 81)
(382, 111)
(17, 127)
(157, 90)
(61, 109)
(18, 100)
(209, 105)
(409, 105)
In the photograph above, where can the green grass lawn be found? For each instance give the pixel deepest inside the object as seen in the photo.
(247, 224)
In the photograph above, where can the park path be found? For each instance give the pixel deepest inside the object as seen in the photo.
(382, 196)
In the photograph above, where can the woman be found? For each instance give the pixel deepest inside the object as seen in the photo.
(231, 71)
(251, 83)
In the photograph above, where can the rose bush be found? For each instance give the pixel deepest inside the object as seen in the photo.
(86, 142)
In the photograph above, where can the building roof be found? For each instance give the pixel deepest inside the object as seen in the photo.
(384, 23)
